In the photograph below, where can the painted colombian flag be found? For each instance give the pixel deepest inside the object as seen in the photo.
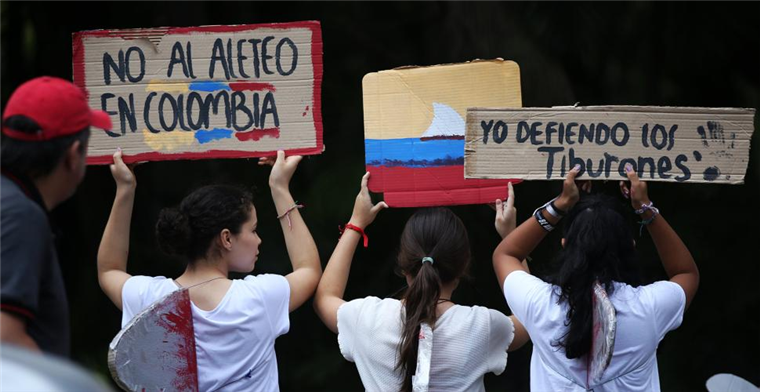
(428, 170)
(205, 136)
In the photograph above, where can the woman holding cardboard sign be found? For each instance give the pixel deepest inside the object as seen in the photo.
(424, 341)
(593, 326)
(214, 230)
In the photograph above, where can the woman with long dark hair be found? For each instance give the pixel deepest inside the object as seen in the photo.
(214, 230)
(598, 251)
(424, 341)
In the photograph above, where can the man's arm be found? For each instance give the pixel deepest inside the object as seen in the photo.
(13, 330)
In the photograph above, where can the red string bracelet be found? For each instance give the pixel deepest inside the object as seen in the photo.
(356, 229)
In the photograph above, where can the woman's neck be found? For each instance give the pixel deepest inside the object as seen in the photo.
(201, 271)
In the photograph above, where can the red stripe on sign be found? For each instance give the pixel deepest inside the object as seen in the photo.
(316, 61)
(17, 309)
(77, 57)
(251, 86)
(453, 197)
(433, 186)
(257, 134)
(211, 154)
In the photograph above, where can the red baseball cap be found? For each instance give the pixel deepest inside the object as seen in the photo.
(58, 106)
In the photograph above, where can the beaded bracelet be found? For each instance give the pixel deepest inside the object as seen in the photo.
(286, 214)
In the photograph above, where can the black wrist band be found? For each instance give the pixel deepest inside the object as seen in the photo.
(542, 221)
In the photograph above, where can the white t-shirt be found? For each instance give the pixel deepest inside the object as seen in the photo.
(234, 343)
(644, 315)
(468, 342)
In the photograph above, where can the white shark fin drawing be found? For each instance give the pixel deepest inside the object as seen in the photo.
(446, 122)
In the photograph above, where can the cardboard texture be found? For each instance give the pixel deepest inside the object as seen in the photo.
(675, 144)
(203, 92)
(414, 130)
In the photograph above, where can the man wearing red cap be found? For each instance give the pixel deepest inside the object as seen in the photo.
(45, 129)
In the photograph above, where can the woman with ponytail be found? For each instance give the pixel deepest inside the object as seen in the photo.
(214, 230)
(425, 341)
(598, 253)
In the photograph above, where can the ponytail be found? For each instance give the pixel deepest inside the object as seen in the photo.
(421, 300)
(434, 251)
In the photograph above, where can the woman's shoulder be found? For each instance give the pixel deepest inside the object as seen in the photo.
(139, 282)
(370, 306)
(376, 303)
(477, 314)
(262, 280)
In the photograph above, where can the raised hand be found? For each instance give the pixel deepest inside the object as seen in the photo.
(364, 211)
(282, 169)
(570, 193)
(637, 191)
(506, 214)
(122, 173)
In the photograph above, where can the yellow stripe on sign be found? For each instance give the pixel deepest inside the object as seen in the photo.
(168, 141)
(161, 86)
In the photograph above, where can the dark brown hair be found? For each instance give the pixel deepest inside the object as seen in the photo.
(439, 234)
(189, 230)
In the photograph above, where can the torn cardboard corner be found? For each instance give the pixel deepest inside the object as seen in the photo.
(674, 144)
(414, 130)
(203, 92)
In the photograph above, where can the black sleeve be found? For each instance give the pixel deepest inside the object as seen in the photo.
(26, 245)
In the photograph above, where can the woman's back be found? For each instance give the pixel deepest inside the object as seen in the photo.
(468, 342)
(644, 315)
(235, 340)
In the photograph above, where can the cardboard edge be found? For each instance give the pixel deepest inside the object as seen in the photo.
(169, 30)
(624, 109)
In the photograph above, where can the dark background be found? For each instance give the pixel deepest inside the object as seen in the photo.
(667, 54)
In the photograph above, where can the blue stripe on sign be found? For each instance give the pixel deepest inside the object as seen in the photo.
(413, 152)
(204, 136)
(208, 86)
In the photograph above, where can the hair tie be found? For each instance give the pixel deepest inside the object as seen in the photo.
(428, 259)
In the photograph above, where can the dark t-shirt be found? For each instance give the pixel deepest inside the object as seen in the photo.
(32, 286)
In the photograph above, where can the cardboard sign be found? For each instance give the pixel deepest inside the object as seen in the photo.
(673, 144)
(203, 92)
(156, 350)
(414, 130)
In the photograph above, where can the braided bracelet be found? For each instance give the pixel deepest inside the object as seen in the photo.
(644, 208)
(647, 207)
(286, 214)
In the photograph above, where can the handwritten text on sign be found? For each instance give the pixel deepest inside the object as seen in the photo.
(662, 144)
(204, 92)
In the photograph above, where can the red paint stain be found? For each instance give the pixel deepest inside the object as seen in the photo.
(252, 86)
(257, 134)
(177, 320)
(305, 111)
